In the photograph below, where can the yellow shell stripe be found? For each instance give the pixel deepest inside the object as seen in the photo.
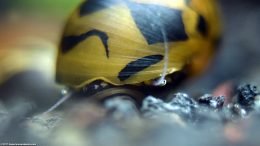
(209, 10)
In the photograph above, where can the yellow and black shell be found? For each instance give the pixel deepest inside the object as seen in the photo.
(123, 41)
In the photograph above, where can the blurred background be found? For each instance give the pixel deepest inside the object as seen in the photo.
(29, 34)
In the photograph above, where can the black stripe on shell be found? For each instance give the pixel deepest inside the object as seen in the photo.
(151, 19)
(91, 6)
(138, 65)
(69, 42)
(202, 26)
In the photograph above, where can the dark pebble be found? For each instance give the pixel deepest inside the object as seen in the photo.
(246, 94)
